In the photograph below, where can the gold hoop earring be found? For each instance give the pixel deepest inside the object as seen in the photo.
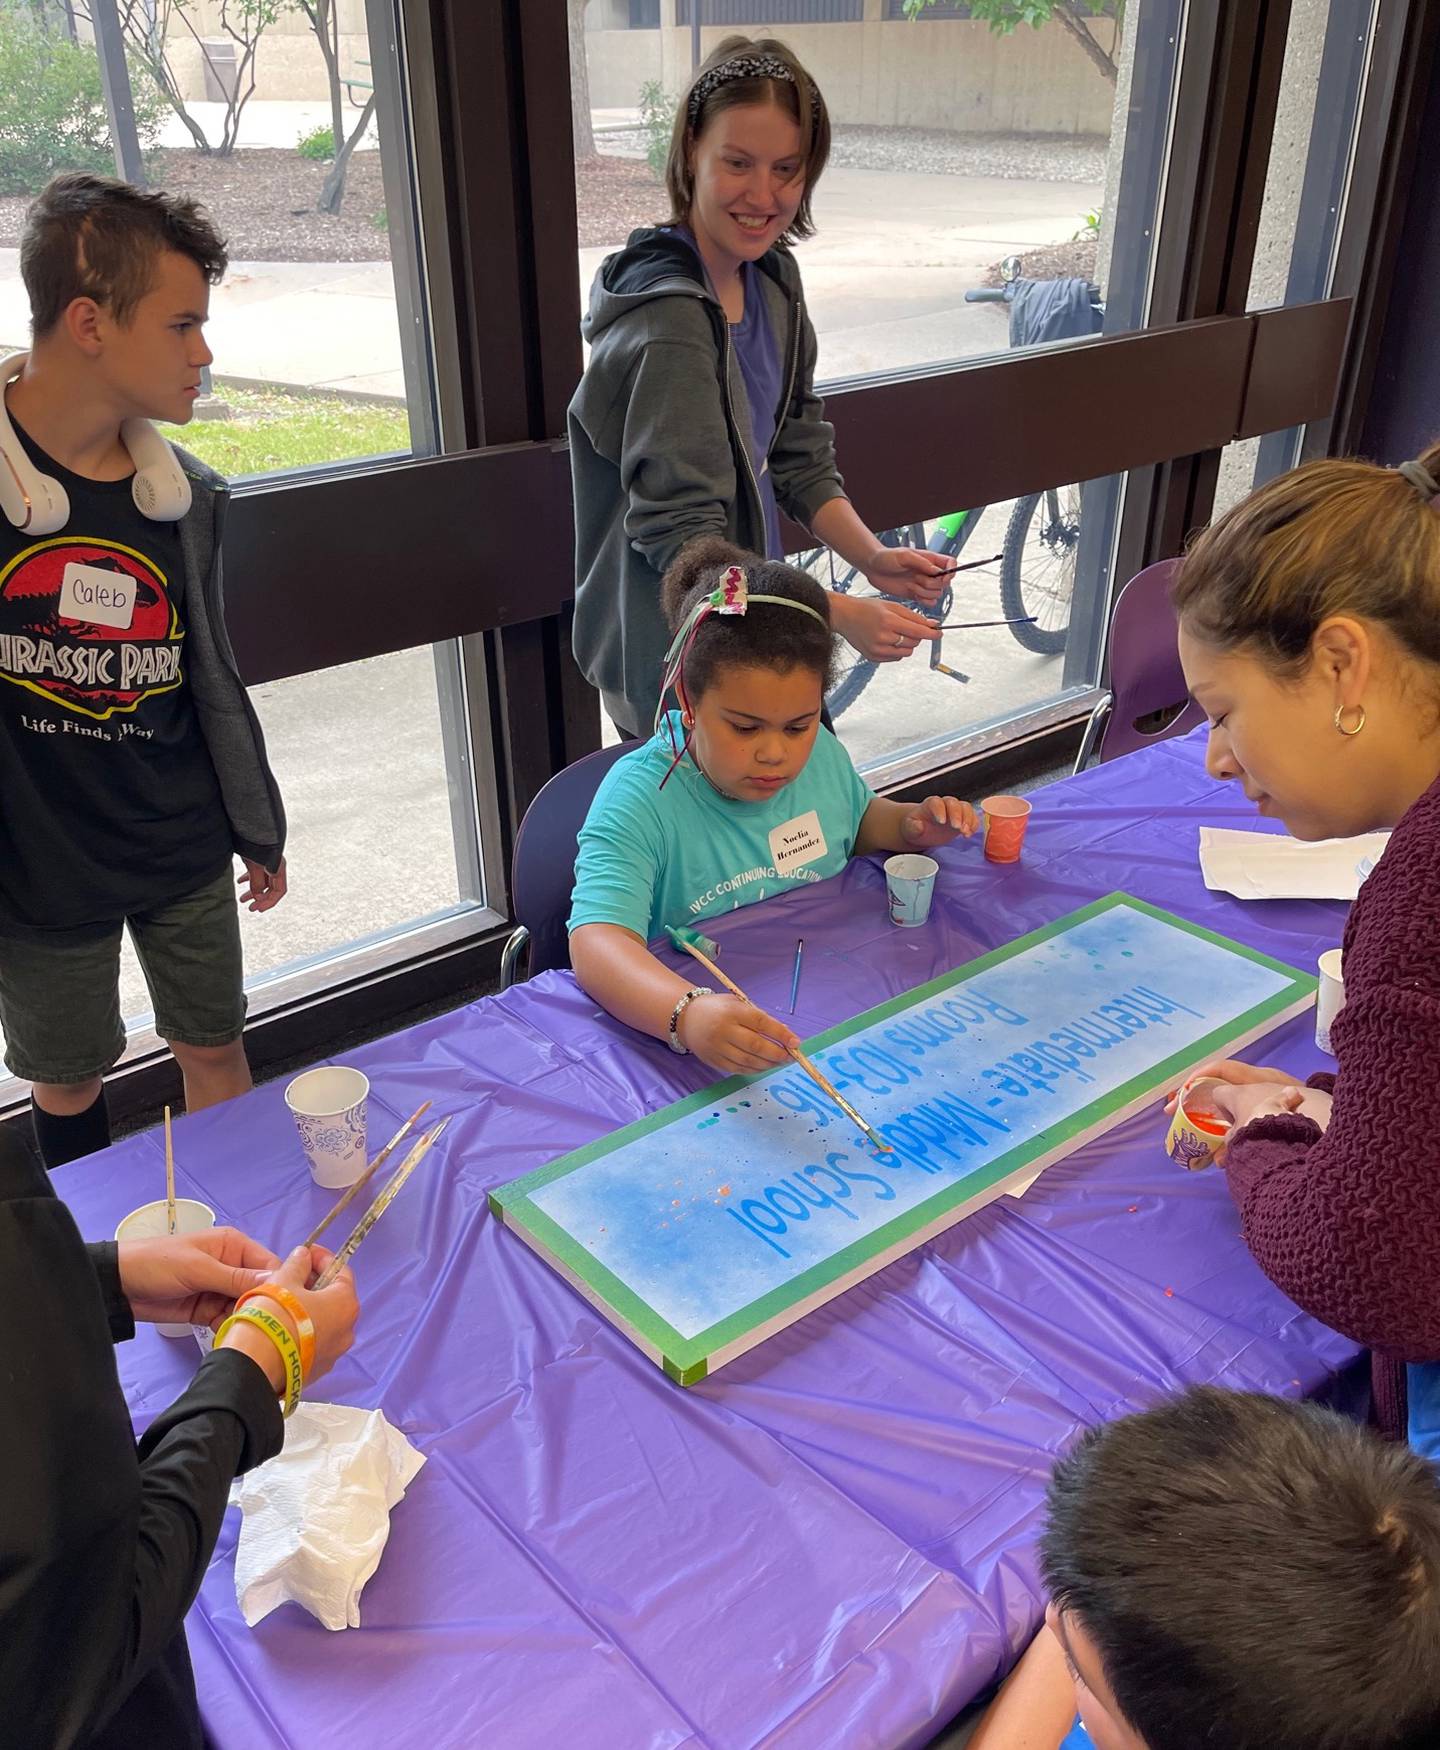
(1340, 719)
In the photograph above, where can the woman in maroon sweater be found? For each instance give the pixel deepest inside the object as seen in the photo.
(1310, 635)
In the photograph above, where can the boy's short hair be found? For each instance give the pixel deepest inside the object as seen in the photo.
(1254, 1573)
(96, 237)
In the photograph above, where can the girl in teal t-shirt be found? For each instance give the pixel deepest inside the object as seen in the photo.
(741, 793)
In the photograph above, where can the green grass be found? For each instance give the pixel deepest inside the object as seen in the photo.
(272, 430)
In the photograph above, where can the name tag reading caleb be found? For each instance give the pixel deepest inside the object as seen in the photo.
(96, 596)
(797, 842)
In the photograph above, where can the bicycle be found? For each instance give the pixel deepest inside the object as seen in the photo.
(1035, 598)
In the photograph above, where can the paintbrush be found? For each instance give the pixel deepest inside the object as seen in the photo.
(795, 975)
(977, 625)
(687, 939)
(169, 1177)
(973, 565)
(378, 1207)
(354, 1190)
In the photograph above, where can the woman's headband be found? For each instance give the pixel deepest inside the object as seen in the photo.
(746, 67)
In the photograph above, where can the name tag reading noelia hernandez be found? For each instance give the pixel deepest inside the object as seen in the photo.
(96, 596)
(797, 842)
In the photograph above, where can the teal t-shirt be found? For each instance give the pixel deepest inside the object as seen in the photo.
(651, 857)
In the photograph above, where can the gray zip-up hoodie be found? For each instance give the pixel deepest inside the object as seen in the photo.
(659, 449)
(222, 707)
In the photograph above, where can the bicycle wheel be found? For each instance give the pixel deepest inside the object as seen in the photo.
(1037, 572)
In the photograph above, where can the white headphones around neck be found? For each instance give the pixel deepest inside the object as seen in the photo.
(37, 503)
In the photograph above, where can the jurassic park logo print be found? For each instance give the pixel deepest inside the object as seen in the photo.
(95, 648)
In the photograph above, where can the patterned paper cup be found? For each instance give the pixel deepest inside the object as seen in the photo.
(1197, 1129)
(910, 881)
(1006, 818)
(328, 1106)
(150, 1222)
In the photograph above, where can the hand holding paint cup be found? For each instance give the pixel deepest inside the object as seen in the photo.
(1006, 818)
(1199, 1126)
(328, 1106)
(1330, 999)
(151, 1222)
(910, 883)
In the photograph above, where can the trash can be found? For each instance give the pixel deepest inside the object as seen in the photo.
(221, 72)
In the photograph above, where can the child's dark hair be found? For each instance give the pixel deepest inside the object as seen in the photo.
(799, 96)
(95, 237)
(1334, 537)
(1254, 1573)
(767, 636)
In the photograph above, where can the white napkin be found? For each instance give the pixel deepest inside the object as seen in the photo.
(1268, 865)
(317, 1516)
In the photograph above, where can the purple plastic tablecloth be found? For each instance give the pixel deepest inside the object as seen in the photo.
(831, 1542)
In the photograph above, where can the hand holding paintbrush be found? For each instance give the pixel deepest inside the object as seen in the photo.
(690, 941)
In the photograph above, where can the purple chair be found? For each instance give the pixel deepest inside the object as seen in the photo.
(542, 869)
(1146, 679)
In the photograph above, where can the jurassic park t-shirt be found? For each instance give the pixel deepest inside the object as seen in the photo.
(109, 802)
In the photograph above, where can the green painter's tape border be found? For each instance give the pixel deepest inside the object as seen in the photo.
(686, 1359)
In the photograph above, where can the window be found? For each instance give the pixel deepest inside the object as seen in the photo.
(306, 177)
(985, 193)
(322, 359)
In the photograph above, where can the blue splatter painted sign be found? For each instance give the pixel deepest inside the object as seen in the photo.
(723, 1218)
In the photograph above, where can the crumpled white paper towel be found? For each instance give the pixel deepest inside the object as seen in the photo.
(1269, 865)
(317, 1516)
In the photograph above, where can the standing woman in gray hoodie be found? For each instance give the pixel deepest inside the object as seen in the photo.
(697, 414)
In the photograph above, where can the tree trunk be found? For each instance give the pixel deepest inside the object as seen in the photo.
(1070, 16)
(327, 32)
(333, 192)
(580, 125)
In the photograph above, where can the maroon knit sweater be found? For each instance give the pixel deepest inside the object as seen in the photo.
(1347, 1221)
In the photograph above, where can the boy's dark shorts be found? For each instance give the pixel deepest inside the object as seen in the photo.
(60, 1002)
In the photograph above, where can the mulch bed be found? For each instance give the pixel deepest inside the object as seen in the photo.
(263, 199)
(615, 195)
(1053, 262)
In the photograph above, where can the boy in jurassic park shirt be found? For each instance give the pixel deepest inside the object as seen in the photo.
(132, 767)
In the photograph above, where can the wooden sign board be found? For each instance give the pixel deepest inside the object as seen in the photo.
(704, 1228)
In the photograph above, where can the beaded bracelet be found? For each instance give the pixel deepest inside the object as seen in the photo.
(279, 1335)
(304, 1324)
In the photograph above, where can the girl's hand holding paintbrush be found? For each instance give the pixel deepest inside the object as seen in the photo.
(734, 1036)
(618, 970)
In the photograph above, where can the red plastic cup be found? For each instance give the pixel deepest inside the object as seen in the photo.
(1006, 818)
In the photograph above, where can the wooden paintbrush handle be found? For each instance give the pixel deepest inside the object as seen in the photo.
(820, 1079)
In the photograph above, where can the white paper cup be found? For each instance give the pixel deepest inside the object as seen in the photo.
(328, 1106)
(1331, 998)
(910, 879)
(150, 1222)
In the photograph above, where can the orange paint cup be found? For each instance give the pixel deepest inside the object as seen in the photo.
(1196, 1129)
(1006, 818)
